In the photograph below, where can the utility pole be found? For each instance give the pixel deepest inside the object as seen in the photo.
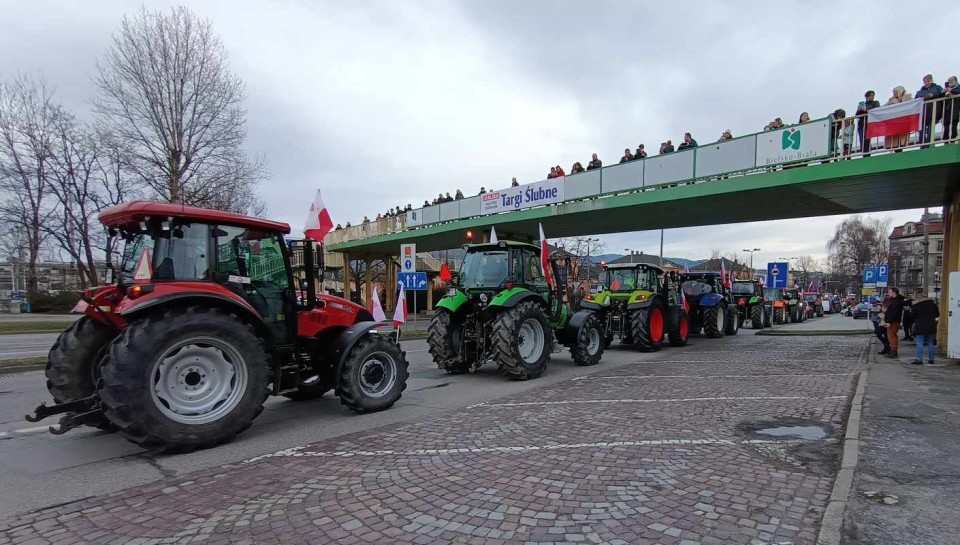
(926, 252)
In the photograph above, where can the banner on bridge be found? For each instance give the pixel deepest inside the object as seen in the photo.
(525, 196)
(794, 143)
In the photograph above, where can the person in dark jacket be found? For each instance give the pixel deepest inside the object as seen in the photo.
(893, 316)
(925, 314)
(688, 142)
(627, 156)
(908, 318)
(880, 327)
(595, 163)
(929, 91)
(869, 102)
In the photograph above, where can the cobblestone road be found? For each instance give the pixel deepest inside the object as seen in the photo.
(657, 452)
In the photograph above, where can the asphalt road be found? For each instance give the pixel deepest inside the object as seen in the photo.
(26, 346)
(38, 317)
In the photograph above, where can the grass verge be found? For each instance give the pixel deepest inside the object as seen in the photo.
(19, 328)
(17, 365)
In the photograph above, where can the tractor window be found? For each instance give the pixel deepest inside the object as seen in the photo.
(180, 253)
(743, 288)
(532, 271)
(252, 254)
(132, 252)
(624, 280)
(483, 269)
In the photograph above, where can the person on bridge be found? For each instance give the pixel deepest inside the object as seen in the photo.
(513, 183)
(666, 147)
(642, 153)
(930, 91)
(893, 316)
(868, 103)
(576, 168)
(595, 163)
(688, 142)
(897, 141)
(925, 315)
(804, 118)
(553, 173)
(727, 135)
(560, 172)
(951, 108)
(627, 156)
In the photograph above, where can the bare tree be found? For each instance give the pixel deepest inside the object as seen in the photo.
(581, 249)
(27, 140)
(168, 94)
(856, 243)
(806, 265)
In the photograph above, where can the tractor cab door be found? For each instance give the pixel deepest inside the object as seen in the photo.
(255, 265)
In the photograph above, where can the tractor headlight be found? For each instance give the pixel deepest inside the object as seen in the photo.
(483, 298)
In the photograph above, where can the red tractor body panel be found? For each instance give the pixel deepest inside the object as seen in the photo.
(153, 293)
(134, 212)
(330, 312)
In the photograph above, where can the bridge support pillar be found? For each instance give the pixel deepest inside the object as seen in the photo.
(347, 277)
(429, 294)
(951, 263)
(390, 304)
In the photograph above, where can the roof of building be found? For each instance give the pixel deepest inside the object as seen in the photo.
(935, 227)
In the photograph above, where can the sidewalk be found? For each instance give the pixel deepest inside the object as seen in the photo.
(907, 485)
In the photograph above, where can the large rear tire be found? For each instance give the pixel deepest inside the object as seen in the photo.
(187, 379)
(590, 342)
(521, 341)
(714, 321)
(73, 364)
(756, 317)
(680, 335)
(373, 376)
(443, 342)
(647, 326)
(733, 320)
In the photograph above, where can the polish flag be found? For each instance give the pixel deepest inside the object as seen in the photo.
(723, 274)
(894, 119)
(318, 222)
(377, 309)
(493, 235)
(683, 301)
(400, 315)
(545, 257)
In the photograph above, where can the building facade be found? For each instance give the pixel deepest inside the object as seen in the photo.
(906, 255)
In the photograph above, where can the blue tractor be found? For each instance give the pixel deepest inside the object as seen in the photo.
(710, 309)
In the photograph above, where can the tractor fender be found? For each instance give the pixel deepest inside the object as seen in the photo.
(350, 337)
(592, 305)
(453, 303)
(567, 335)
(510, 300)
(186, 298)
(711, 300)
(644, 304)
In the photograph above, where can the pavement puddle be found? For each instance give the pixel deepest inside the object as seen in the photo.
(803, 432)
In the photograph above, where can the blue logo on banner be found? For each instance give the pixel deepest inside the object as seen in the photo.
(777, 275)
(413, 281)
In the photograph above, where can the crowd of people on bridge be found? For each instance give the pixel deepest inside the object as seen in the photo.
(848, 135)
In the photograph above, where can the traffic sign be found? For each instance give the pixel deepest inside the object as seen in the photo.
(413, 281)
(870, 277)
(883, 273)
(408, 258)
(777, 275)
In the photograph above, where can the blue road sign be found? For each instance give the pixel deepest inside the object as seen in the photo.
(870, 277)
(413, 281)
(777, 275)
(883, 273)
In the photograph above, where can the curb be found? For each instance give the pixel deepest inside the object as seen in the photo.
(20, 369)
(832, 523)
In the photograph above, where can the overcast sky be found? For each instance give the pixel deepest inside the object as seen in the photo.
(386, 103)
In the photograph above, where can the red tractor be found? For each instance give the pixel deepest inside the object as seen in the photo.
(202, 324)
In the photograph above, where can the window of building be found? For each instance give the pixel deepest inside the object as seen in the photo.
(940, 245)
(939, 261)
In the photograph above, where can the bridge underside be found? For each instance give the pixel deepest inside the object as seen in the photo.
(912, 179)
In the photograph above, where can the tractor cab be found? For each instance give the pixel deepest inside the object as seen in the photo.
(623, 282)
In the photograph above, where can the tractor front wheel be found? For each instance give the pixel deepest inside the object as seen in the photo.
(590, 342)
(373, 376)
(647, 326)
(733, 320)
(444, 337)
(714, 321)
(185, 379)
(73, 365)
(521, 341)
(756, 317)
(679, 336)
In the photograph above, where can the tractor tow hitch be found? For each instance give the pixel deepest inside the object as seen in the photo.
(78, 412)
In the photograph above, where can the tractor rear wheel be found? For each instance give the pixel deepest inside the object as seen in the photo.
(647, 326)
(679, 335)
(590, 342)
(714, 321)
(373, 376)
(73, 364)
(733, 320)
(444, 343)
(756, 317)
(767, 318)
(185, 379)
(521, 341)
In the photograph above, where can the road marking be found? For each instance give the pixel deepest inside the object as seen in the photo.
(417, 350)
(668, 400)
(588, 377)
(32, 430)
(299, 452)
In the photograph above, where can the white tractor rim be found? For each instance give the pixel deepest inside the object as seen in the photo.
(593, 341)
(530, 340)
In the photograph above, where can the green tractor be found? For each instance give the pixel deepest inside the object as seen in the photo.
(749, 300)
(794, 306)
(639, 304)
(503, 308)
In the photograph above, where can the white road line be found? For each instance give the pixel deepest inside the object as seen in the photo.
(417, 350)
(3, 434)
(32, 430)
(590, 377)
(668, 400)
(297, 452)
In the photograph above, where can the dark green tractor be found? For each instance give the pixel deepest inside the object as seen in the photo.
(503, 309)
(641, 306)
(750, 304)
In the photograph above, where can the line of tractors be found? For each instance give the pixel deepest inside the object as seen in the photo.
(503, 309)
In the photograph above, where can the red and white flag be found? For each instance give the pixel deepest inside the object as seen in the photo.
(683, 301)
(723, 274)
(400, 315)
(318, 222)
(894, 119)
(545, 257)
(377, 309)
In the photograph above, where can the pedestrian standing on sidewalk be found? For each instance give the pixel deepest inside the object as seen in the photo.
(880, 327)
(925, 314)
(893, 316)
(908, 318)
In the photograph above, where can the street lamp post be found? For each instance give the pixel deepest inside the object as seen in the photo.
(752, 273)
(788, 260)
